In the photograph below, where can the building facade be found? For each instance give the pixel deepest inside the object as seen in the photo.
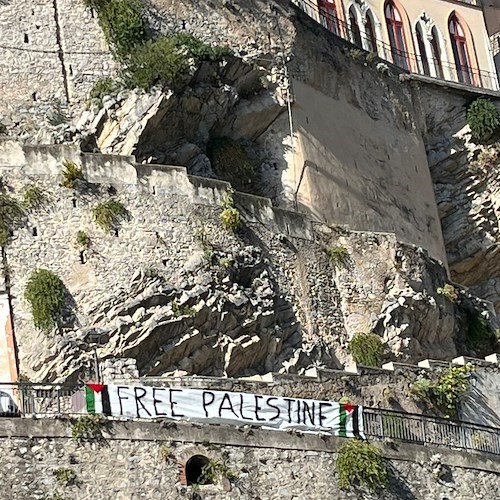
(445, 39)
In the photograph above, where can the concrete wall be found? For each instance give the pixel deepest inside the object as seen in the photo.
(267, 464)
(363, 172)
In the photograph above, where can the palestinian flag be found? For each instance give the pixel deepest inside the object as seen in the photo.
(97, 399)
(351, 421)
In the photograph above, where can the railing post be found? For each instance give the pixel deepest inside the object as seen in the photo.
(58, 393)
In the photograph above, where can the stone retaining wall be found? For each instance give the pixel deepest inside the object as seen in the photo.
(140, 460)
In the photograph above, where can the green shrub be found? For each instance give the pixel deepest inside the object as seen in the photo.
(198, 49)
(483, 118)
(65, 476)
(11, 217)
(82, 239)
(45, 293)
(357, 54)
(422, 388)
(157, 63)
(214, 470)
(231, 219)
(165, 452)
(71, 173)
(122, 23)
(449, 292)
(450, 387)
(109, 215)
(338, 255)
(33, 197)
(87, 428)
(231, 163)
(230, 215)
(366, 349)
(102, 88)
(360, 463)
(183, 310)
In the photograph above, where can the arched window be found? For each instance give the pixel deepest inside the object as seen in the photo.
(355, 31)
(370, 33)
(436, 53)
(422, 50)
(396, 35)
(460, 51)
(328, 15)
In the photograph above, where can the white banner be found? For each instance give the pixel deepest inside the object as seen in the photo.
(220, 407)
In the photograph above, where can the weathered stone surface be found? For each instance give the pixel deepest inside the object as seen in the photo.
(144, 468)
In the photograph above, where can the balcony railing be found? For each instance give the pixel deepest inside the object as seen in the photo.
(48, 400)
(408, 62)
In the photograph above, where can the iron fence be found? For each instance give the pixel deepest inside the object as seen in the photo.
(430, 431)
(407, 61)
(46, 400)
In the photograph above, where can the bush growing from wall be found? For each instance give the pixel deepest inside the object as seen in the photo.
(87, 428)
(45, 293)
(157, 62)
(483, 118)
(230, 215)
(71, 173)
(446, 391)
(33, 197)
(82, 239)
(110, 214)
(450, 388)
(360, 463)
(338, 255)
(11, 217)
(449, 292)
(366, 349)
(199, 50)
(122, 23)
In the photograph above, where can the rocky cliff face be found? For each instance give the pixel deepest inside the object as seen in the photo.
(467, 186)
(179, 294)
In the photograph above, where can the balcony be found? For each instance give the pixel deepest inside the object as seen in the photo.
(429, 67)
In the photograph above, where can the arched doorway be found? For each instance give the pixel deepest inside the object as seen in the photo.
(354, 25)
(422, 50)
(460, 50)
(395, 29)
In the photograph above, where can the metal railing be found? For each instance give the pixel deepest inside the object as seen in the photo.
(45, 400)
(407, 61)
(430, 431)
